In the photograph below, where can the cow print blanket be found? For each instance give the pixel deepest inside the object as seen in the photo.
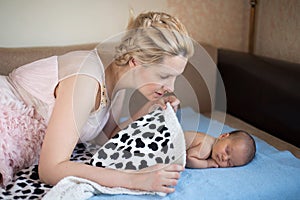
(26, 183)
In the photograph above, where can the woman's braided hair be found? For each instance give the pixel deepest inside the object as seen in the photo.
(151, 36)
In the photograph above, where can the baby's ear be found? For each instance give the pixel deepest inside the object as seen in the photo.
(224, 135)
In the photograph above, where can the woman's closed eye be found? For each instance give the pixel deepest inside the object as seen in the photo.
(165, 76)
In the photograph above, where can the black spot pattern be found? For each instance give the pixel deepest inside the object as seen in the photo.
(140, 119)
(136, 132)
(153, 146)
(139, 143)
(161, 118)
(162, 128)
(143, 164)
(157, 139)
(134, 125)
(126, 154)
(159, 160)
(139, 154)
(152, 126)
(150, 119)
(149, 135)
(119, 165)
(111, 145)
(102, 154)
(125, 137)
(151, 155)
(129, 141)
(165, 149)
(167, 160)
(129, 165)
(115, 156)
(120, 148)
(165, 143)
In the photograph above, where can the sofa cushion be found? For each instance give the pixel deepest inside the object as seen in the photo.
(11, 58)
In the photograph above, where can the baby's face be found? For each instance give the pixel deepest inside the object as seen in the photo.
(229, 153)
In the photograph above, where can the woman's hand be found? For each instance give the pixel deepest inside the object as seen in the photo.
(152, 105)
(171, 98)
(158, 178)
(168, 97)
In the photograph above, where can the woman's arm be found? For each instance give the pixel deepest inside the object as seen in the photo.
(63, 133)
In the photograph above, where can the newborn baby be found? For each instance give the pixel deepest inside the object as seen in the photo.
(236, 148)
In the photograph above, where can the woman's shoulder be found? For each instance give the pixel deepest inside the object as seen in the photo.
(81, 62)
(82, 56)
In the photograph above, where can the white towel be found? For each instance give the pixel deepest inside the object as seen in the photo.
(170, 149)
(79, 189)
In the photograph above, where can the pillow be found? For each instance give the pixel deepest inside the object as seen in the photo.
(155, 138)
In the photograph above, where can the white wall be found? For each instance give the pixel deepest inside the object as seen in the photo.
(64, 22)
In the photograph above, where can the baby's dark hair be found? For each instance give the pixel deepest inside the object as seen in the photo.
(241, 134)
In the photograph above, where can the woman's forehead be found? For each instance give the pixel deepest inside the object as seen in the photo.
(174, 64)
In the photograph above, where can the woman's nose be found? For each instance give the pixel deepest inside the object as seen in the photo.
(169, 86)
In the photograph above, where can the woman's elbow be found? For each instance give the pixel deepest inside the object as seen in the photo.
(46, 173)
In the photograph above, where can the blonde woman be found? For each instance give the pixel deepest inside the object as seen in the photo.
(62, 100)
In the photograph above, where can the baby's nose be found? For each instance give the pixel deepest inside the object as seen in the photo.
(224, 157)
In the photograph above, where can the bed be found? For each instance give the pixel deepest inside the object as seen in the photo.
(273, 174)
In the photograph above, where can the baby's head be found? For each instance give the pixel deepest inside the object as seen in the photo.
(236, 148)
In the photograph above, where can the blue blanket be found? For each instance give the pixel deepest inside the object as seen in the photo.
(272, 174)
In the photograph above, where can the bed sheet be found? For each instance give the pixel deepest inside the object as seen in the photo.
(272, 174)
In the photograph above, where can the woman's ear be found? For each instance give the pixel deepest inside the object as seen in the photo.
(224, 135)
(133, 62)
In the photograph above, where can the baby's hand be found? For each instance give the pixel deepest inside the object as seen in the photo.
(212, 163)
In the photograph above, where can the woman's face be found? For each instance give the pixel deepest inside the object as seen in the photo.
(153, 81)
(228, 152)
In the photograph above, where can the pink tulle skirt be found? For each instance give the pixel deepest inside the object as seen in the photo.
(21, 134)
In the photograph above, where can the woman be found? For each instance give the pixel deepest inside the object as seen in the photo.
(70, 98)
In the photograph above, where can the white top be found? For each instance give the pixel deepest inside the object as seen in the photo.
(35, 83)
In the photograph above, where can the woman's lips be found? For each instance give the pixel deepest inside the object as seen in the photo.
(158, 94)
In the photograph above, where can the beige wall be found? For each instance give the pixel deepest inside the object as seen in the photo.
(278, 29)
(63, 22)
(224, 24)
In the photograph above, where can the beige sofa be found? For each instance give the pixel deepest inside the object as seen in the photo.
(11, 58)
